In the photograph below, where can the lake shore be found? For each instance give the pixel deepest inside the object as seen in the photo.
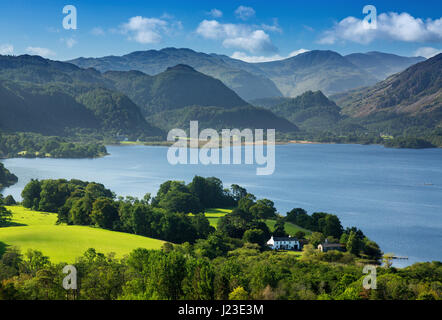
(208, 144)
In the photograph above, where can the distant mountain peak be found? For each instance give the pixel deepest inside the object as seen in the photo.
(181, 67)
(415, 91)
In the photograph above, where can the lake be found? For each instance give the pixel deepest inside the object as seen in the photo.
(393, 195)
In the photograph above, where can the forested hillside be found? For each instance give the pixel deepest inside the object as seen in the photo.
(53, 97)
(406, 104)
(177, 87)
(6, 177)
(221, 118)
(311, 111)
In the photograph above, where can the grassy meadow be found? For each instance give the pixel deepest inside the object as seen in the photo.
(62, 243)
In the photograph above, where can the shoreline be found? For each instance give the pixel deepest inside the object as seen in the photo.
(206, 144)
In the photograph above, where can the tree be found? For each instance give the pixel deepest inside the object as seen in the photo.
(292, 215)
(300, 235)
(31, 194)
(354, 244)
(5, 216)
(332, 226)
(300, 217)
(371, 250)
(9, 201)
(280, 228)
(234, 224)
(316, 238)
(104, 213)
(263, 209)
(202, 225)
(238, 192)
(178, 201)
(79, 214)
(216, 245)
(210, 192)
(255, 236)
(246, 202)
(239, 294)
(97, 190)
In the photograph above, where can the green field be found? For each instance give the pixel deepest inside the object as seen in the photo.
(290, 228)
(215, 214)
(36, 230)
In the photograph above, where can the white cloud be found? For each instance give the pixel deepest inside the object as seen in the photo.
(6, 49)
(237, 36)
(70, 42)
(44, 52)
(255, 59)
(390, 26)
(427, 52)
(145, 30)
(97, 31)
(272, 28)
(215, 13)
(244, 13)
(297, 52)
(256, 41)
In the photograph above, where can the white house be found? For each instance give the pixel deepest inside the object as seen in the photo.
(284, 243)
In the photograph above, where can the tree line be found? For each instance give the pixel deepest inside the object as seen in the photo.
(6, 177)
(175, 214)
(32, 145)
(182, 272)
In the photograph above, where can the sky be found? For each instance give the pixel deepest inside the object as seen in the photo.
(254, 31)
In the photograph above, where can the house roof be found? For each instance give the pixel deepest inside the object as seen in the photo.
(284, 239)
(331, 245)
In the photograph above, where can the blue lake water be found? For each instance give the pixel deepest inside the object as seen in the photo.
(393, 195)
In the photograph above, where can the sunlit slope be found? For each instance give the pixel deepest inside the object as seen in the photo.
(35, 230)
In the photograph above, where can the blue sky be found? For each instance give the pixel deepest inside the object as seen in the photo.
(250, 30)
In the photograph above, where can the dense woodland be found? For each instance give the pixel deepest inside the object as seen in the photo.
(6, 177)
(31, 145)
(183, 272)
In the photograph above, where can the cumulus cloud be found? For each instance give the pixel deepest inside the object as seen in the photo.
(6, 49)
(237, 36)
(145, 30)
(43, 52)
(390, 26)
(255, 59)
(427, 52)
(215, 13)
(256, 41)
(244, 13)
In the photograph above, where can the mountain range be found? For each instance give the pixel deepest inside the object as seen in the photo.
(412, 98)
(327, 71)
(57, 98)
(52, 97)
(152, 62)
(382, 65)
